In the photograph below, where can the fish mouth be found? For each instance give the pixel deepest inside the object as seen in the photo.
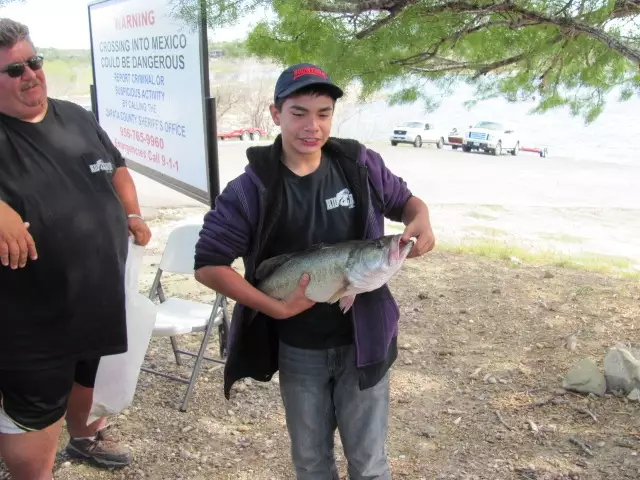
(399, 249)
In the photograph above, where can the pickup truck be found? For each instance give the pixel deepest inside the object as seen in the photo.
(418, 133)
(491, 137)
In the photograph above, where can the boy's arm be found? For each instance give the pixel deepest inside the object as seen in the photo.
(225, 236)
(399, 204)
(415, 216)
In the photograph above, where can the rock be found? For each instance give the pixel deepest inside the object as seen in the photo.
(548, 275)
(622, 369)
(428, 432)
(496, 290)
(634, 396)
(585, 377)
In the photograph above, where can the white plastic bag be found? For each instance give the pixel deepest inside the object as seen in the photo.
(117, 375)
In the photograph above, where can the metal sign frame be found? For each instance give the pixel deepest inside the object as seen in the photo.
(209, 109)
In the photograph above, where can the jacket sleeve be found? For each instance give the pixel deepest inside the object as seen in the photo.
(226, 230)
(392, 191)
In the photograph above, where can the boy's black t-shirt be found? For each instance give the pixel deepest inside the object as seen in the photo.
(69, 303)
(317, 208)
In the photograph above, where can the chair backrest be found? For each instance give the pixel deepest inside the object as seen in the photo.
(179, 252)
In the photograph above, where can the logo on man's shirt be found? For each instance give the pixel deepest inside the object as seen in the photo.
(344, 198)
(101, 166)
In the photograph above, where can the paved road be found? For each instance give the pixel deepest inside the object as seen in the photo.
(454, 177)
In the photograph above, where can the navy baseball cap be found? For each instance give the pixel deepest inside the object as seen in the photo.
(302, 75)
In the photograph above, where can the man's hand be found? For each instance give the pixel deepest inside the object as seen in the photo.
(418, 226)
(140, 231)
(297, 302)
(16, 243)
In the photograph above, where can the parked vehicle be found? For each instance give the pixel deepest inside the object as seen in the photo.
(243, 134)
(455, 138)
(491, 137)
(418, 133)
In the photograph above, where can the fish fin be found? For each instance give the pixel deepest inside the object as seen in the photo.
(347, 302)
(338, 295)
(267, 267)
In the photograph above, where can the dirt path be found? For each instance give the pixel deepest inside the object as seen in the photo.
(462, 319)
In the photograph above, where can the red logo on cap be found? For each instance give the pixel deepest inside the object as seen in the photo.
(301, 72)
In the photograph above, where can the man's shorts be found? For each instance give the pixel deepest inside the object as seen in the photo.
(32, 400)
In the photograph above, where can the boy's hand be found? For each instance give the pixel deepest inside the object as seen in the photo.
(420, 228)
(297, 302)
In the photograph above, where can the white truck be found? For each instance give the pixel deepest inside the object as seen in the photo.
(493, 137)
(418, 133)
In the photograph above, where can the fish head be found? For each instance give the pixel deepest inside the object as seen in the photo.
(380, 259)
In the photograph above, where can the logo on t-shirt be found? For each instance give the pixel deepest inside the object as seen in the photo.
(101, 165)
(344, 198)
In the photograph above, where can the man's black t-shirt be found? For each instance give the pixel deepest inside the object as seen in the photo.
(69, 303)
(317, 208)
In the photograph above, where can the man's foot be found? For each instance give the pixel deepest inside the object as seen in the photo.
(105, 451)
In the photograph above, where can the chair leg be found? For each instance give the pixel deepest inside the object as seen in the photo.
(174, 345)
(224, 331)
(201, 352)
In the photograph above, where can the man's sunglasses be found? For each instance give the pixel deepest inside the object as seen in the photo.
(15, 70)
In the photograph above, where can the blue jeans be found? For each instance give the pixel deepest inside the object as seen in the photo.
(320, 393)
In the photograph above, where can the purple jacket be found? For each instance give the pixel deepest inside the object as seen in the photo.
(239, 226)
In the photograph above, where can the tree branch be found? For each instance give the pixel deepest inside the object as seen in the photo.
(568, 25)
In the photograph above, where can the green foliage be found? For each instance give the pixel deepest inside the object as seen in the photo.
(234, 49)
(72, 57)
(558, 53)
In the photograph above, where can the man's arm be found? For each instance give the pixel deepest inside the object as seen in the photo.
(126, 190)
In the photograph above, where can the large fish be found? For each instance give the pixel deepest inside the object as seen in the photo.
(338, 272)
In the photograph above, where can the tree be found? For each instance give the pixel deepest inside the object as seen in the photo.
(556, 52)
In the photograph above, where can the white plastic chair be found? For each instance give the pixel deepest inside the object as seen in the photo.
(178, 316)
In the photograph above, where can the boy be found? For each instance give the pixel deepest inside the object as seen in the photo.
(307, 188)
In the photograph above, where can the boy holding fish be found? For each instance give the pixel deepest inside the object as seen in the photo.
(333, 353)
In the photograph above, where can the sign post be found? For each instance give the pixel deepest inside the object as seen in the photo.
(151, 92)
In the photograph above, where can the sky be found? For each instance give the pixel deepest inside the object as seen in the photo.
(65, 23)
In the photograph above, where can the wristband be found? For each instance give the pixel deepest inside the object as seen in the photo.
(135, 215)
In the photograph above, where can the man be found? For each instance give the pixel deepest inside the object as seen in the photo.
(333, 366)
(67, 205)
